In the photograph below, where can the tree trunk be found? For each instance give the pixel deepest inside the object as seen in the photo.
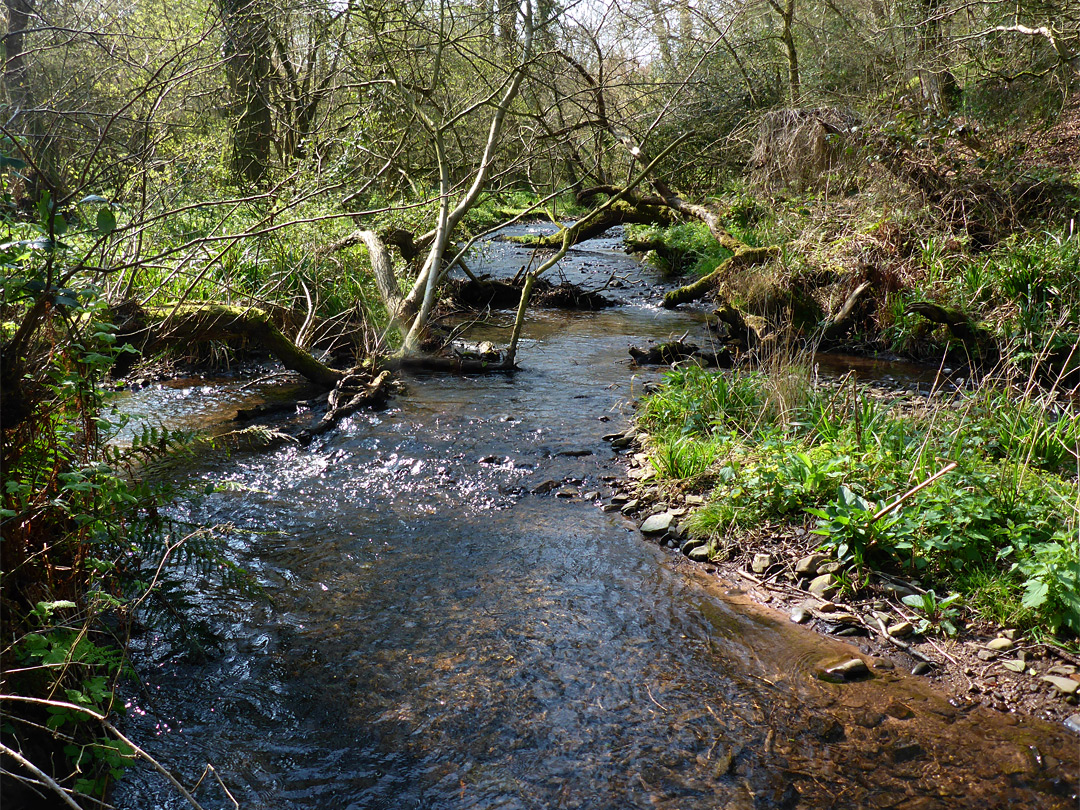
(247, 55)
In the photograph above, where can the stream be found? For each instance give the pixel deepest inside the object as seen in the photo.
(437, 635)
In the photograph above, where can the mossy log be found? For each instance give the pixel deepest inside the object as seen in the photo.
(194, 323)
(619, 213)
(744, 257)
(959, 324)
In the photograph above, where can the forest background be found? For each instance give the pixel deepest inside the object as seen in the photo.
(894, 175)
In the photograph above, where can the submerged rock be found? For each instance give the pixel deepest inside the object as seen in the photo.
(849, 670)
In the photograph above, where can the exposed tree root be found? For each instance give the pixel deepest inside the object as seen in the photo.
(496, 294)
(675, 351)
(352, 392)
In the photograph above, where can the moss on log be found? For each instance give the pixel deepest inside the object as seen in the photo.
(959, 323)
(619, 213)
(744, 257)
(194, 323)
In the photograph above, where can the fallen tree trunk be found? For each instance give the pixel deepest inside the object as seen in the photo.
(154, 328)
(619, 213)
(744, 257)
(496, 294)
(844, 317)
(959, 324)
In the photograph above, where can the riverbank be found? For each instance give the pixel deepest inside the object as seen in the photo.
(935, 529)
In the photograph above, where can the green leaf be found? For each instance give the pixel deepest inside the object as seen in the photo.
(106, 221)
(1036, 594)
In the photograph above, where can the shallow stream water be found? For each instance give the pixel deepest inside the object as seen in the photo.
(435, 635)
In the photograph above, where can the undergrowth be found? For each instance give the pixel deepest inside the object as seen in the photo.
(1000, 525)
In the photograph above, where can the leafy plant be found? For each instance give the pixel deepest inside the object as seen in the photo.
(849, 527)
(938, 615)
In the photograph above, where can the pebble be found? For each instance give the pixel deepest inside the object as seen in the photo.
(1066, 686)
(921, 668)
(822, 586)
(657, 524)
(986, 655)
(800, 615)
(901, 629)
(630, 506)
(850, 670)
(1073, 723)
(1000, 645)
(701, 553)
(690, 544)
(1065, 670)
(694, 500)
(620, 498)
(1011, 635)
(761, 563)
(844, 618)
(847, 632)
(591, 495)
(829, 568)
(809, 564)
(566, 493)
(827, 607)
(1013, 665)
(609, 507)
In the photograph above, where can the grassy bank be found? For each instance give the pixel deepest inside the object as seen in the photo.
(776, 455)
(1020, 295)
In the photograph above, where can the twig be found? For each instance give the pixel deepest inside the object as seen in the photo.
(46, 780)
(895, 504)
(903, 645)
(647, 689)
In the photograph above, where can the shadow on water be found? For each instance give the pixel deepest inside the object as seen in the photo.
(439, 637)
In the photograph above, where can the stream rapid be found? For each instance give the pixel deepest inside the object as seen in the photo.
(435, 634)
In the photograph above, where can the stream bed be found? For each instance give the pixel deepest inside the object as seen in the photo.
(435, 634)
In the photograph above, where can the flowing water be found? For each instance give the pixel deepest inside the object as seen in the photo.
(435, 635)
